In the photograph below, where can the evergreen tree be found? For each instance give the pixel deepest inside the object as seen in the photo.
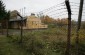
(2, 10)
(3, 14)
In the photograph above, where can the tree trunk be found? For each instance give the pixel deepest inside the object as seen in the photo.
(2, 27)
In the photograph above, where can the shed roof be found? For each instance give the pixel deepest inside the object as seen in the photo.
(17, 19)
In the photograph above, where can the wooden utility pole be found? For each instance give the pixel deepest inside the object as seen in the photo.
(67, 52)
(79, 25)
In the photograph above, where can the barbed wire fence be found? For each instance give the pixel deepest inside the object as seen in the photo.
(57, 34)
(56, 12)
(54, 36)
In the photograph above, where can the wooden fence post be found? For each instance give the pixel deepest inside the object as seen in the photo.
(67, 52)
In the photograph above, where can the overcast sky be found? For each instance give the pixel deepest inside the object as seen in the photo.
(33, 6)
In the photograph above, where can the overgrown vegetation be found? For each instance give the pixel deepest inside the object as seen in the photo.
(51, 41)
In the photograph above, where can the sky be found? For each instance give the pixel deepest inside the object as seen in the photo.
(35, 6)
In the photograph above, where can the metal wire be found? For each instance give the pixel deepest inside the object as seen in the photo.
(58, 5)
(74, 3)
(58, 13)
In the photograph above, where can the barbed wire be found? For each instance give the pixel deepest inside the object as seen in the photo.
(57, 10)
(48, 9)
(58, 5)
(74, 3)
(74, 8)
(61, 12)
(77, 11)
(58, 13)
(77, 14)
(59, 16)
(53, 12)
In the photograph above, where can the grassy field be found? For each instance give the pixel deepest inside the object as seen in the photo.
(50, 41)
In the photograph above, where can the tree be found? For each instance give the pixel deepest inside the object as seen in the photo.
(2, 14)
(62, 22)
(13, 14)
(2, 10)
(47, 19)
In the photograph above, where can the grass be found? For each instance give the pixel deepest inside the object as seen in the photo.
(51, 41)
(9, 48)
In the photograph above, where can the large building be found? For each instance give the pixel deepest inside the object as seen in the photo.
(30, 22)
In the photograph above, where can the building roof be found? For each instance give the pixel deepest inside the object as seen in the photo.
(17, 19)
(32, 16)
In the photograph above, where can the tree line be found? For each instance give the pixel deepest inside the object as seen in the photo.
(4, 17)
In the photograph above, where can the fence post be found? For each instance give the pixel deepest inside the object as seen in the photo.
(78, 26)
(67, 52)
(21, 27)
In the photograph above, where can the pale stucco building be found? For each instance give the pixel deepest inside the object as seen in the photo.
(29, 22)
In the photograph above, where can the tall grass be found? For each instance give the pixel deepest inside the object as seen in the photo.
(51, 41)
